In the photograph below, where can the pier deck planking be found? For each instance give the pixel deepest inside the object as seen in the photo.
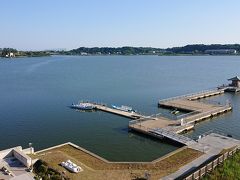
(188, 103)
(131, 115)
(171, 128)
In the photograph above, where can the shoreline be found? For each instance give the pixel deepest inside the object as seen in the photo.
(138, 55)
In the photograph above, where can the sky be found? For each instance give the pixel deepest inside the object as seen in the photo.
(53, 24)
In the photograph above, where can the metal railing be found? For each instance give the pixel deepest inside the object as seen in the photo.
(144, 118)
(207, 113)
(182, 116)
(140, 120)
(216, 131)
(187, 118)
(189, 95)
(171, 135)
(209, 167)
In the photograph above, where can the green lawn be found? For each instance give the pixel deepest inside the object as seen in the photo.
(94, 168)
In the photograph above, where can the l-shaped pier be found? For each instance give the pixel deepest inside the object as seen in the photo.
(162, 127)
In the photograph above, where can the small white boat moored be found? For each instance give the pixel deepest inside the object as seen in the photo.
(71, 166)
(175, 112)
(123, 108)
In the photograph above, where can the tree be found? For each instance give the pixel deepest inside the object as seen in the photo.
(6, 51)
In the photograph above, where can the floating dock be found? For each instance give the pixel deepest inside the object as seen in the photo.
(162, 133)
(206, 94)
(161, 127)
(102, 107)
(232, 89)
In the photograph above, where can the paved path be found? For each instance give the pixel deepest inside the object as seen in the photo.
(211, 145)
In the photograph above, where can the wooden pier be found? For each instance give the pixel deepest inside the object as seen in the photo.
(173, 136)
(207, 114)
(197, 111)
(162, 133)
(198, 95)
(232, 89)
(187, 105)
(206, 94)
(131, 115)
(160, 127)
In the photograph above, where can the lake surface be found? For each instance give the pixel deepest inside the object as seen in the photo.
(35, 93)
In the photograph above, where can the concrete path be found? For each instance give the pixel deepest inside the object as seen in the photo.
(211, 145)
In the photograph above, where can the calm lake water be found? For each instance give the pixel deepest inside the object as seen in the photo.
(35, 93)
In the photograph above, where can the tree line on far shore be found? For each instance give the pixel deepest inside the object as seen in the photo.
(195, 49)
(5, 52)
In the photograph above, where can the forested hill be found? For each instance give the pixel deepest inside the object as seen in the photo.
(188, 49)
(195, 49)
(201, 48)
(117, 51)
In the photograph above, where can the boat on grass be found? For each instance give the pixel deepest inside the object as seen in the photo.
(69, 165)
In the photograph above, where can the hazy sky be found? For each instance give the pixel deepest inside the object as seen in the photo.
(48, 24)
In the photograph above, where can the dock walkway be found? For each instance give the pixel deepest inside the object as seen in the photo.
(163, 127)
(131, 115)
(173, 136)
(207, 114)
(211, 144)
(198, 95)
(160, 126)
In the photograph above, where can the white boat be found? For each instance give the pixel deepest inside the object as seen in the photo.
(82, 106)
(123, 108)
(175, 112)
(71, 166)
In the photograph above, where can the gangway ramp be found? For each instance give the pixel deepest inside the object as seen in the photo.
(160, 132)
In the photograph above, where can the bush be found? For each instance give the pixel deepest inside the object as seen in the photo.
(56, 177)
(41, 169)
(230, 170)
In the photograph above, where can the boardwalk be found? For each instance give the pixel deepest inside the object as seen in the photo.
(206, 94)
(211, 144)
(187, 105)
(131, 115)
(198, 95)
(197, 111)
(207, 114)
(160, 126)
(173, 136)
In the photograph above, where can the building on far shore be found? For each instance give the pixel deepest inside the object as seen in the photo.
(10, 54)
(221, 51)
(84, 54)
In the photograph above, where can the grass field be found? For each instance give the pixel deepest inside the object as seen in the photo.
(95, 168)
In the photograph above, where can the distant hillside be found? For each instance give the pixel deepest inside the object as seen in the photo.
(201, 48)
(116, 51)
(188, 49)
(10, 52)
(195, 49)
